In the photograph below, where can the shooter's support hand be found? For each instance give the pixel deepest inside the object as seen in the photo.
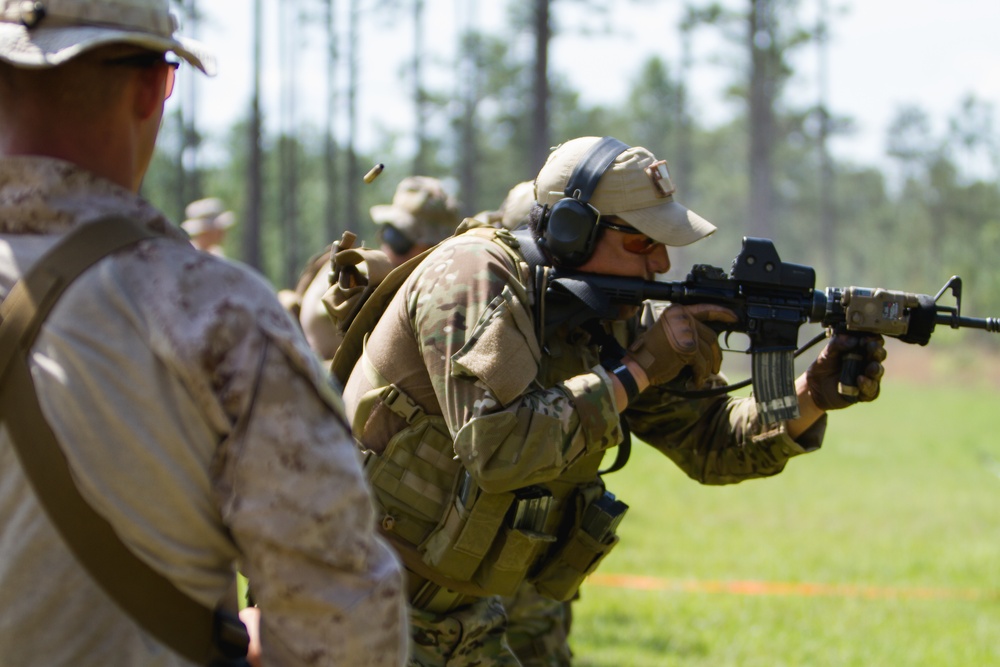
(681, 338)
(861, 356)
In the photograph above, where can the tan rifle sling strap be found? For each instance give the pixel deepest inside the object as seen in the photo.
(169, 615)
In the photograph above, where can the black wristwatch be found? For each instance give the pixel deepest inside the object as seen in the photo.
(624, 375)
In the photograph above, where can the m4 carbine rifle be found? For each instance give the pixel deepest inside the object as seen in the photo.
(772, 300)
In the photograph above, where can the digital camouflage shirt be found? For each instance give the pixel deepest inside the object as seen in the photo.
(196, 420)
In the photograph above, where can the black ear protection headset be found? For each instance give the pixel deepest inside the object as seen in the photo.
(568, 230)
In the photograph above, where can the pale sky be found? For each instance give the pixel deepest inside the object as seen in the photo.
(883, 54)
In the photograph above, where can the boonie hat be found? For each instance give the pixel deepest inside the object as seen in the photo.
(207, 214)
(636, 188)
(421, 210)
(47, 33)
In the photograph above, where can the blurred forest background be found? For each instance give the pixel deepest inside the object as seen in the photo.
(934, 211)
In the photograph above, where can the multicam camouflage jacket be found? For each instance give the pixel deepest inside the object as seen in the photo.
(459, 340)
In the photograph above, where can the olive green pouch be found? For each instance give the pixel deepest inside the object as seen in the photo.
(591, 539)
(510, 560)
(417, 471)
(464, 536)
(574, 562)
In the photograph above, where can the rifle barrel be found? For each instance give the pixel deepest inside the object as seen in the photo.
(991, 324)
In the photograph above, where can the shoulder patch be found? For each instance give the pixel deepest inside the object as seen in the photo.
(502, 352)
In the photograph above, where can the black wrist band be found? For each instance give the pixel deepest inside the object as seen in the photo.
(624, 376)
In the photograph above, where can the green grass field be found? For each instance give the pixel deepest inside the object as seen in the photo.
(883, 548)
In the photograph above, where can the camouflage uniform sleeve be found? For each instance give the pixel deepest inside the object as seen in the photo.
(473, 323)
(288, 482)
(328, 587)
(717, 440)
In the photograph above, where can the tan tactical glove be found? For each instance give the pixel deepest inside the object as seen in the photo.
(823, 376)
(356, 272)
(680, 338)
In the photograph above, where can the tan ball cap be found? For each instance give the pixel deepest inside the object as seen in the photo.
(636, 188)
(47, 33)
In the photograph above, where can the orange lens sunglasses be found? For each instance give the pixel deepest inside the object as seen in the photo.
(635, 241)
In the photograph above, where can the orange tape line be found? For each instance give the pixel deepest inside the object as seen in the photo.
(645, 583)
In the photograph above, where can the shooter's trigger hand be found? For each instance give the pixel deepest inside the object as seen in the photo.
(824, 375)
(681, 338)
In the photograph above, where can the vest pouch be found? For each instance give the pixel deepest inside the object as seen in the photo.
(457, 546)
(591, 540)
(510, 560)
(414, 479)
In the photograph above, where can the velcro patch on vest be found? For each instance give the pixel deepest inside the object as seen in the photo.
(502, 352)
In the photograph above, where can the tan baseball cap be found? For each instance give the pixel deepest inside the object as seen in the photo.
(47, 33)
(207, 214)
(420, 209)
(636, 188)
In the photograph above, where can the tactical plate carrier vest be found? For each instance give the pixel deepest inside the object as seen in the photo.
(446, 528)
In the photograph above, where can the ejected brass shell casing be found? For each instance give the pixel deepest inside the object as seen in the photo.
(373, 174)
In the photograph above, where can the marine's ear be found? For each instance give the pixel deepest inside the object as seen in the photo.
(148, 86)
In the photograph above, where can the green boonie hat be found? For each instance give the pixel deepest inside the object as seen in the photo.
(46, 33)
(420, 209)
(636, 188)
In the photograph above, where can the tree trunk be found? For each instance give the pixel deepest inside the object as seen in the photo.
(683, 162)
(192, 177)
(289, 178)
(251, 228)
(540, 141)
(827, 216)
(419, 97)
(353, 180)
(330, 144)
(468, 93)
(763, 86)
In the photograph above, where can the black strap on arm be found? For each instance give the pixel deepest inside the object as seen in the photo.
(611, 355)
(168, 614)
(611, 350)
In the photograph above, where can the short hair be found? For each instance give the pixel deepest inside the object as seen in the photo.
(535, 220)
(81, 86)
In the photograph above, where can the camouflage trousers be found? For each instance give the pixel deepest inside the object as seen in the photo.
(492, 631)
(538, 628)
(474, 635)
